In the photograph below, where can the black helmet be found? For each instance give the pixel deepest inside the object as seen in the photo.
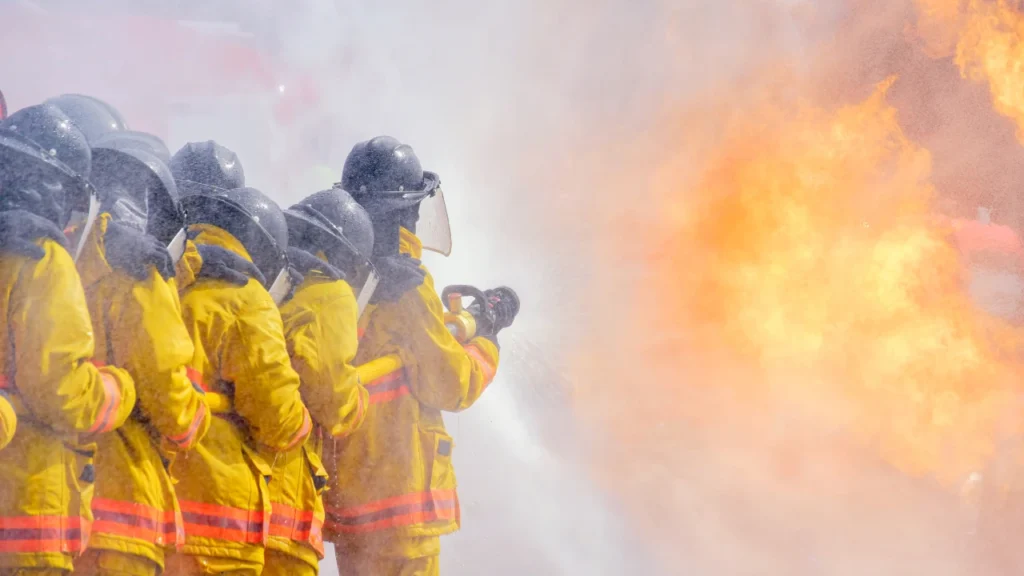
(33, 179)
(332, 222)
(251, 217)
(206, 166)
(383, 174)
(54, 132)
(137, 189)
(93, 116)
(138, 140)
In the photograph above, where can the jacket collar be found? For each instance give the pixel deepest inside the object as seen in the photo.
(409, 244)
(213, 236)
(92, 264)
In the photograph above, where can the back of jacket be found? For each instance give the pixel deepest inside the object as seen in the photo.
(63, 402)
(240, 353)
(138, 326)
(320, 329)
(395, 471)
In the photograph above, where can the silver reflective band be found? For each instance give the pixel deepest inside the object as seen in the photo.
(177, 246)
(86, 226)
(281, 287)
(433, 228)
(366, 292)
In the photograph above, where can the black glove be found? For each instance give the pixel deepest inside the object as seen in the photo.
(134, 252)
(502, 307)
(19, 230)
(302, 263)
(223, 264)
(398, 274)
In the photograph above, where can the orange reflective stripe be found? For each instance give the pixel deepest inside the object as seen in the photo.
(488, 367)
(5, 382)
(42, 534)
(185, 439)
(134, 520)
(223, 522)
(111, 404)
(388, 388)
(196, 377)
(405, 510)
(304, 430)
(297, 525)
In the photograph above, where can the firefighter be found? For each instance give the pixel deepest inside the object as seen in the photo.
(64, 401)
(94, 117)
(205, 167)
(241, 359)
(396, 469)
(325, 233)
(125, 269)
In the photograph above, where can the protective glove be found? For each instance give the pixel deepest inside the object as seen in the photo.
(302, 262)
(134, 252)
(398, 274)
(223, 264)
(502, 307)
(19, 229)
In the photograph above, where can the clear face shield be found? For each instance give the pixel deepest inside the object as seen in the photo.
(282, 286)
(176, 247)
(433, 228)
(80, 223)
(365, 286)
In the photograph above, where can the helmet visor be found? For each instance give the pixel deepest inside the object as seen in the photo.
(281, 288)
(433, 228)
(366, 290)
(176, 248)
(81, 223)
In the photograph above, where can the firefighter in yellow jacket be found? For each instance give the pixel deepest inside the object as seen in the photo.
(125, 267)
(325, 234)
(63, 400)
(241, 359)
(396, 483)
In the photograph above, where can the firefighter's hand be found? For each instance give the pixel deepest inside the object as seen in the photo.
(134, 252)
(398, 274)
(502, 308)
(20, 229)
(223, 264)
(303, 262)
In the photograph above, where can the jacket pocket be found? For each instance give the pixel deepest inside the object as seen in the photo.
(314, 506)
(442, 480)
(316, 470)
(263, 471)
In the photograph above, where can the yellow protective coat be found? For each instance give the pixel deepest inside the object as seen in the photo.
(8, 421)
(63, 401)
(240, 352)
(320, 326)
(138, 326)
(394, 477)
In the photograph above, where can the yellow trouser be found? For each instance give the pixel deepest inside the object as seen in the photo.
(369, 565)
(184, 565)
(110, 563)
(278, 564)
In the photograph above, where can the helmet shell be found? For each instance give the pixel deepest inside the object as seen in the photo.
(137, 188)
(138, 140)
(54, 132)
(32, 179)
(382, 174)
(251, 217)
(333, 222)
(205, 167)
(92, 116)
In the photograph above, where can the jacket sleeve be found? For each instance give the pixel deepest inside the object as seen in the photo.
(8, 421)
(157, 351)
(53, 342)
(266, 387)
(322, 348)
(442, 373)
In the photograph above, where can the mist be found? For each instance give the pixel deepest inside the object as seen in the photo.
(619, 437)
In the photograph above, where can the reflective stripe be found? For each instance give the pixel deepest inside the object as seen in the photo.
(134, 520)
(488, 367)
(111, 405)
(42, 534)
(297, 525)
(223, 522)
(388, 388)
(185, 439)
(196, 377)
(304, 430)
(417, 508)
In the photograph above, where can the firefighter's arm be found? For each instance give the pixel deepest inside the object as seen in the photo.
(323, 348)
(266, 387)
(443, 373)
(53, 343)
(8, 420)
(158, 350)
